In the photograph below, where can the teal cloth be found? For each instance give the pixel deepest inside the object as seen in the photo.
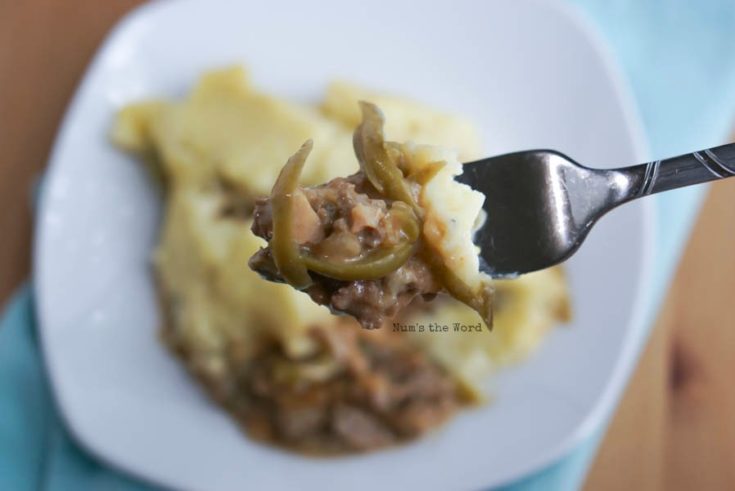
(679, 58)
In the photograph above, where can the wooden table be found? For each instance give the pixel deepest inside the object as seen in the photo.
(675, 428)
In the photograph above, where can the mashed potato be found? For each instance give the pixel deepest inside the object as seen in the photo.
(453, 211)
(225, 144)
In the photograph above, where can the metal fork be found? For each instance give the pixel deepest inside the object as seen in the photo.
(541, 204)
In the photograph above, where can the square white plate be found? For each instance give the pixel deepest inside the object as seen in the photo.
(529, 73)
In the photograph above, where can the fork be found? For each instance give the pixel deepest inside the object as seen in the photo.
(541, 204)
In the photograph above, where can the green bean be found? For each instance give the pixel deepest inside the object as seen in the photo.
(283, 246)
(372, 266)
(375, 161)
(376, 263)
(479, 300)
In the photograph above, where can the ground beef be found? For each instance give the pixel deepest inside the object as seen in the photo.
(359, 391)
(372, 389)
(347, 221)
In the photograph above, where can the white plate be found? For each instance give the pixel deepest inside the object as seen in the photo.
(527, 72)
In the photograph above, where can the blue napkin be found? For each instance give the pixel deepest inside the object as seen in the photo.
(36, 452)
(679, 58)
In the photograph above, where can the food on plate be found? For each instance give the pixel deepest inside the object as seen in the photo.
(368, 244)
(287, 369)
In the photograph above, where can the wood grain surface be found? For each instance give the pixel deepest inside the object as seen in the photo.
(675, 428)
(45, 46)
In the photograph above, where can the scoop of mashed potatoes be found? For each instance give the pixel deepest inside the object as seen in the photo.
(223, 145)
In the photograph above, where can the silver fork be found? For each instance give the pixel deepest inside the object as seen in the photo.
(541, 204)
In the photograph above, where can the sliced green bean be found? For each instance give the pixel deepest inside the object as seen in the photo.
(377, 263)
(285, 250)
(372, 266)
(479, 300)
(375, 161)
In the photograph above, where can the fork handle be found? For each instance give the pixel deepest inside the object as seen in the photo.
(692, 168)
